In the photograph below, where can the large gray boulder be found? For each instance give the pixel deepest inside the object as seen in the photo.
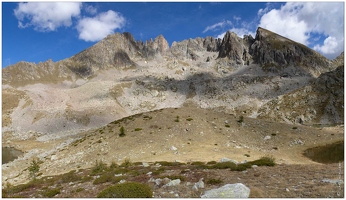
(237, 190)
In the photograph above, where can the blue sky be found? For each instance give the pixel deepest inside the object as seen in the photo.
(36, 32)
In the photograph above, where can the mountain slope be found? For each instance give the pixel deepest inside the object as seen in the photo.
(120, 76)
(321, 102)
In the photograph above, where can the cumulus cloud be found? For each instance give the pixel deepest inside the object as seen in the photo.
(46, 16)
(98, 27)
(217, 26)
(297, 20)
(90, 9)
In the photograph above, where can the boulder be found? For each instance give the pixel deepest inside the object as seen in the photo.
(173, 183)
(237, 190)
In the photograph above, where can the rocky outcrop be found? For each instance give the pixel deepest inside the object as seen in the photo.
(235, 48)
(274, 52)
(157, 47)
(321, 102)
(212, 44)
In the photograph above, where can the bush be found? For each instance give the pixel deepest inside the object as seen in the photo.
(197, 163)
(211, 163)
(127, 190)
(99, 167)
(166, 163)
(138, 129)
(214, 181)
(159, 171)
(224, 165)
(70, 177)
(51, 193)
(126, 163)
(264, 161)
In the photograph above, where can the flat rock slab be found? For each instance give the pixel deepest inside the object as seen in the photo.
(237, 190)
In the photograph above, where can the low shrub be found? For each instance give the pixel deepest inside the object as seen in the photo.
(70, 177)
(214, 181)
(107, 177)
(264, 161)
(189, 119)
(51, 193)
(127, 190)
(99, 167)
(80, 189)
(166, 163)
(211, 163)
(224, 165)
(126, 163)
(197, 163)
(138, 129)
(159, 171)
(113, 165)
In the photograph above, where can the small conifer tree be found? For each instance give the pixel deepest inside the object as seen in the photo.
(34, 168)
(122, 131)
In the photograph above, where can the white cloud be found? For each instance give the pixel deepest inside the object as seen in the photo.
(90, 9)
(217, 26)
(297, 20)
(98, 27)
(330, 46)
(46, 16)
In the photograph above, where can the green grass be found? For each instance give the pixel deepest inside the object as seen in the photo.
(127, 190)
(138, 129)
